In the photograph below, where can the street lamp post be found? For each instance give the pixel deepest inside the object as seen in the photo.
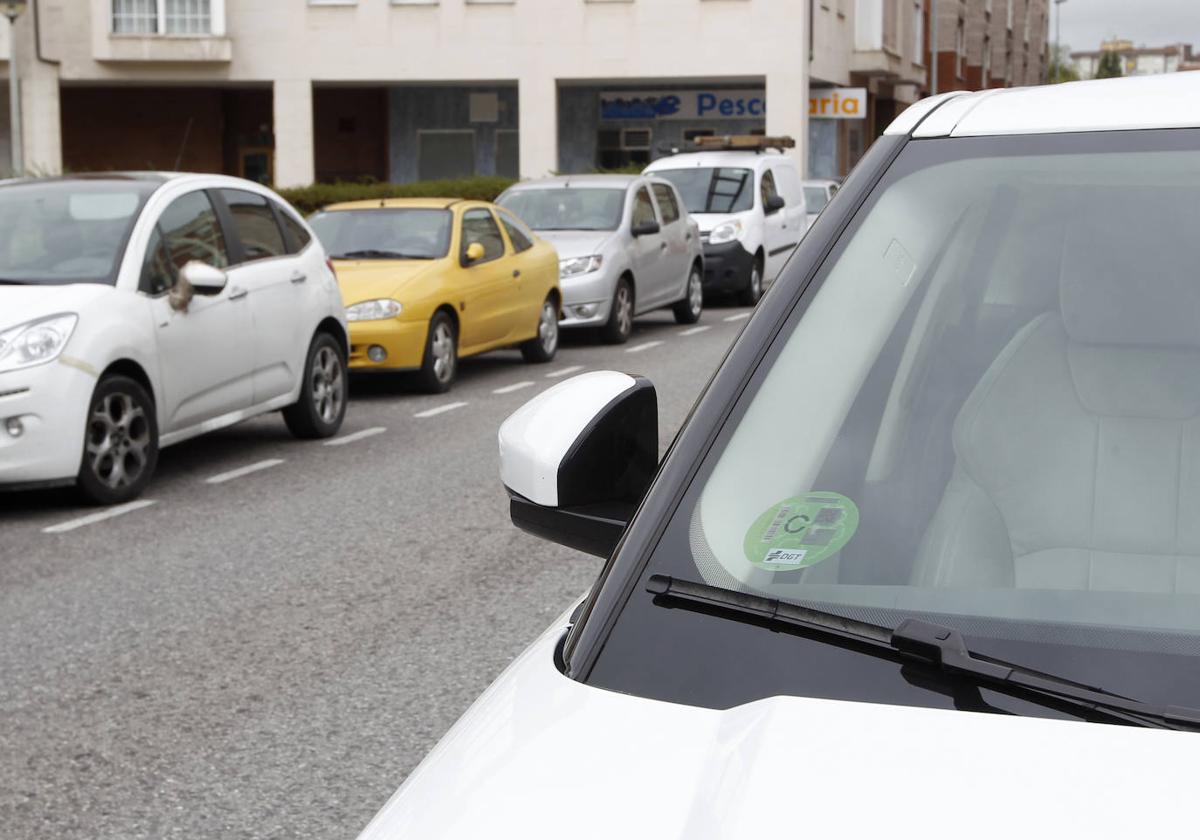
(12, 9)
(933, 46)
(1057, 28)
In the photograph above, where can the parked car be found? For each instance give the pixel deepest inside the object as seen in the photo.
(140, 310)
(428, 281)
(750, 207)
(932, 518)
(817, 193)
(625, 245)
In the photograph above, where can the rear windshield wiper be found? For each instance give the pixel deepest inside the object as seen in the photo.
(934, 644)
(375, 254)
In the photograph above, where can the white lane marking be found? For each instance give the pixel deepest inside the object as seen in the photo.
(639, 348)
(563, 372)
(441, 409)
(695, 330)
(508, 389)
(221, 478)
(93, 518)
(351, 438)
(741, 316)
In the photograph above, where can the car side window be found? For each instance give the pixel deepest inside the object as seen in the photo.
(517, 235)
(191, 232)
(479, 226)
(158, 274)
(255, 225)
(643, 208)
(766, 187)
(667, 205)
(298, 235)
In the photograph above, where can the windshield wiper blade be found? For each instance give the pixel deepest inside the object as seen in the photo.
(376, 254)
(934, 644)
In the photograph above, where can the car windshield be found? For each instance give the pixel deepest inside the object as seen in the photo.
(567, 208)
(815, 199)
(69, 231)
(711, 189)
(382, 233)
(984, 410)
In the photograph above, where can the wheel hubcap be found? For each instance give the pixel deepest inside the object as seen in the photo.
(624, 311)
(548, 328)
(695, 293)
(443, 353)
(118, 441)
(328, 385)
(756, 281)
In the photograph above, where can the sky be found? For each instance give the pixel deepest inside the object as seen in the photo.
(1085, 23)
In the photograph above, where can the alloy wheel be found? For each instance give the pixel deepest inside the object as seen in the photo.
(624, 304)
(442, 348)
(118, 441)
(548, 328)
(328, 385)
(695, 293)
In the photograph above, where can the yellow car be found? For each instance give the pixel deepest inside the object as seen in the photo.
(428, 281)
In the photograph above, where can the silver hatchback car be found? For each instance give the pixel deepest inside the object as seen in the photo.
(626, 245)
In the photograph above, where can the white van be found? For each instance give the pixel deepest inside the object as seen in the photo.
(749, 203)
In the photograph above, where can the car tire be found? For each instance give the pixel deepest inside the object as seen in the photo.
(620, 315)
(687, 311)
(321, 406)
(120, 442)
(439, 365)
(543, 346)
(749, 296)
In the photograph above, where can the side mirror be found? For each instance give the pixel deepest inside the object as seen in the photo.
(773, 204)
(196, 278)
(645, 229)
(474, 253)
(577, 459)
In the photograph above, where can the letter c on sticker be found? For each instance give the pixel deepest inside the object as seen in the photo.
(755, 107)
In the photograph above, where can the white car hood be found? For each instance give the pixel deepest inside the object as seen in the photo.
(576, 243)
(708, 221)
(19, 304)
(542, 756)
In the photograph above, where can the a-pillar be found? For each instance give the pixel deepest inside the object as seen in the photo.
(294, 165)
(537, 121)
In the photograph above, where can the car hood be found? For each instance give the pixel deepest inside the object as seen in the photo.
(19, 304)
(708, 221)
(362, 280)
(576, 243)
(542, 756)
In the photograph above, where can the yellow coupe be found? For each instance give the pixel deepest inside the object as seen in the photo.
(428, 281)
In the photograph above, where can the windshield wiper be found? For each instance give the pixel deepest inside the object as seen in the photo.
(375, 254)
(934, 644)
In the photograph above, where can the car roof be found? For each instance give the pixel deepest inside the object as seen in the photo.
(686, 160)
(1169, 100)
(613, 180)
(413, 203)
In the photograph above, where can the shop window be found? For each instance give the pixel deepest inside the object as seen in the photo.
(617, 148)
(508, 163)
(690, 134)
(445, 154)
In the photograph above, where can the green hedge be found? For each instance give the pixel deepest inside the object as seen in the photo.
(316, 196)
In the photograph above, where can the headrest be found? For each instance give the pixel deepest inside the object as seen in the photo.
(1130, 272)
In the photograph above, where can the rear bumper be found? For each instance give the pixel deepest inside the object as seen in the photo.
(404, 342)
(50, 402)
(727, 267)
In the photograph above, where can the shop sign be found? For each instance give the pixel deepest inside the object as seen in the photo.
(837, 103)
(683, 105)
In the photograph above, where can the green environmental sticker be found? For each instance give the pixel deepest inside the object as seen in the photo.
(801, 531)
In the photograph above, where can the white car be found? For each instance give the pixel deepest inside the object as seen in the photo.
(817, 193)
(626, 245)
(923, 562)
(140, 310)
(751, 210)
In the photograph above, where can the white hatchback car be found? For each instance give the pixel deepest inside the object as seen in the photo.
(140, 310)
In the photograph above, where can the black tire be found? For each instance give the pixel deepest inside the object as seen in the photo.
(620, 316)
(687, 311)
(120, 443)
(749, 296)
(544, 346)
(321, 407)
(439, 365)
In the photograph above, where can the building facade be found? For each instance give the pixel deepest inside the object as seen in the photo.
(991, 43)
(1136, 61)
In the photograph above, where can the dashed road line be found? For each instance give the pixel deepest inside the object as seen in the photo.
(441, 409)
(508, 389)
(221, 478)
(356, 436)
(93, 518)
(695, 330)
(741, 316)
(640, 347)
(554, 374)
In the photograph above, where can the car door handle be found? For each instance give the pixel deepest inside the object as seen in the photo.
(299, 277)
(237, 293)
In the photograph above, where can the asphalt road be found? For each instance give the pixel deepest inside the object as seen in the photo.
(267, 652)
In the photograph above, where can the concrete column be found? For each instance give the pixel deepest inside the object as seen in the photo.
(537, 123)
(294, 149)
(41, 123)
(787, 109)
